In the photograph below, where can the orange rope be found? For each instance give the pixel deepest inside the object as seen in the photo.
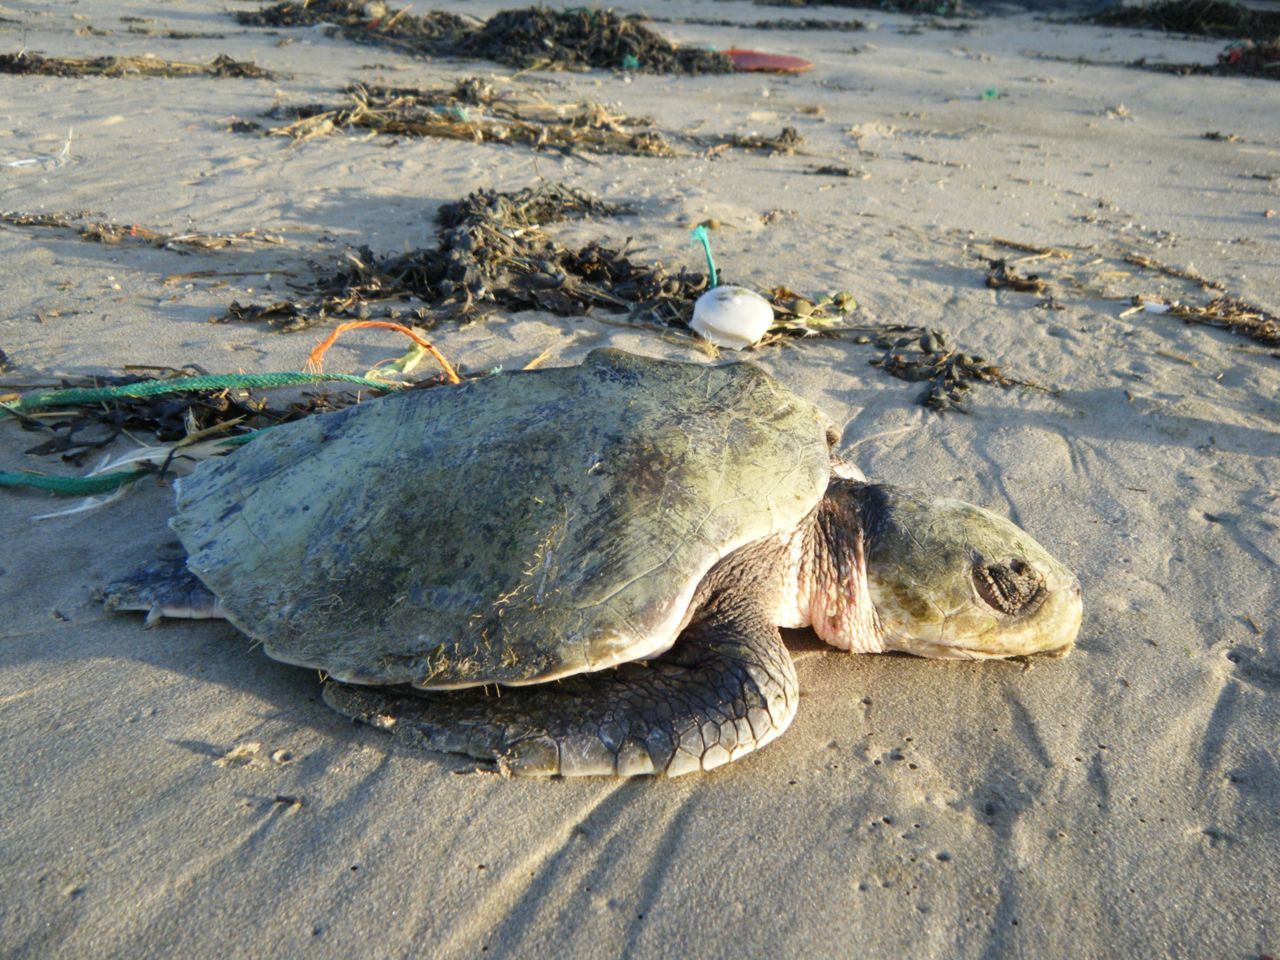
(316, 360)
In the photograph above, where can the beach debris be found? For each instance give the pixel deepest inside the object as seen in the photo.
(1002, 275)
(1182, 273)
(584, 37)
(796, 23)
(731, 316)
(1039, 252)
(535, 37)
(491, 250)
(46, 160)
(26, 62)
(1225, 313)
(1211, 18)
(474, 110)
(936, 8)
(175, 406)
(838, 170)
(366, 21)
(756, 61)
(726, 315)
(923, 354)
(786, 142)
(1242, 58)
(112, 233)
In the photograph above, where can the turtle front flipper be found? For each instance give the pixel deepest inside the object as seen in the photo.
(726, 688)
(163, 588)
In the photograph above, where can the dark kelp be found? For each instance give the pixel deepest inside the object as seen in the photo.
(1244, 58)
(581, 38)
(925, 355)
(1209, 18)
(221, 66)
(937, 8)
(798, 23)
(578, 38)
(491, 251)
(473, 110)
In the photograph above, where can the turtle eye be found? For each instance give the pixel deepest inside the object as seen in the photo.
(1011, 586)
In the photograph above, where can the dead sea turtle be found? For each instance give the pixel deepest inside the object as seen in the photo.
(616, 544)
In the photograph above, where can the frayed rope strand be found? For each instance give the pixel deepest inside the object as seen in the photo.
(314, 361)
(71, 486)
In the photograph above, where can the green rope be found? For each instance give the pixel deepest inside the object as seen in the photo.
(700, 234)
(155, 388)
(71, 486)
(106, 482)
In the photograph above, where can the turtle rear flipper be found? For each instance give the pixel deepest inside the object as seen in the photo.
(163, 588)
(726, 688)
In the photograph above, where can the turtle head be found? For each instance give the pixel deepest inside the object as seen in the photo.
(951, 580)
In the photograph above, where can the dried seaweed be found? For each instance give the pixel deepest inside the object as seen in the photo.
(1210, 18)
(1004, 276)
(582, 38)
(1225, 313)
(472, 110)
(367, 21)
(937, 8)
(1245, 58)
(111, 233)
(924, 355)
(578, 38)
(1138, 260)
(837, 170)
(491, 250)
(221, 66)
(798, 23)
(786, 142)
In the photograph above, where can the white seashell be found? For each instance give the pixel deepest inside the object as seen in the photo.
(732, 316)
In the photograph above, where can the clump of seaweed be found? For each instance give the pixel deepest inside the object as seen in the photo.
(1002, 275)
(582, 38)
(925, 355)
(1225, 313)
(366, 21)
(491, 250)
(1244, 58)
(111, 233)
(786, 142)
(26, 62)
(579, 38)
(937, 8)
(797, 23)
(1210, 18)
(472, 110)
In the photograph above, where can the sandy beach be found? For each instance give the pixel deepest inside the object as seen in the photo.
(174, 792)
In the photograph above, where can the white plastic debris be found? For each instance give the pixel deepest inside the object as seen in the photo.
(732, 317)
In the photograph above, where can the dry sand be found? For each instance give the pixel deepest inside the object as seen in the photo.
(1118, 803)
